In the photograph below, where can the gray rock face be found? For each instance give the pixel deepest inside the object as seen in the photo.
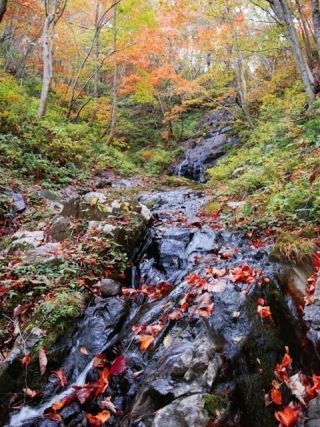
(294, 279)
(203, 153)
(313, 413)
(59, 228)
(183, 412)
(18, 203)
(110, 288)
(26, 239)
(50, 252)
(15, 201)
(312, 317)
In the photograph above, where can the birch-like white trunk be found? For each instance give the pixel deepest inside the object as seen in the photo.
(284, 14)
(47, 54)
(316, 22)
(114, 79)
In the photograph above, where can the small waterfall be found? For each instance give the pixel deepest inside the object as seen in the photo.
(28, 413)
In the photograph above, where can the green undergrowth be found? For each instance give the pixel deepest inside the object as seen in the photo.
(54, 152)
(274, 168)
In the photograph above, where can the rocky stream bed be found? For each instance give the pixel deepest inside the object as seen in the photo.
(188, 345)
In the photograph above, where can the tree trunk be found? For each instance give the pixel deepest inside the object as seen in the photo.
(3, 8)
(316, 22)
(284, 14)
(96, 61)
(115, 79)
(240, 76)
(242, 89)
(305, 33)
(48, 34)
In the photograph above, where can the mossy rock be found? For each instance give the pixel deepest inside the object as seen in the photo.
(292, 248)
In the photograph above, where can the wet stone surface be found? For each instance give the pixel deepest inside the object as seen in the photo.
(201, 154)
(228, 353)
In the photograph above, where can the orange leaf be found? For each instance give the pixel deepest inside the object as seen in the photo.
(276, 396)
(99, 419)
(145, 341)
(63, 402)
(52, 414)
(288, 417)
(43, 361)
(60, 374)
(26, 360)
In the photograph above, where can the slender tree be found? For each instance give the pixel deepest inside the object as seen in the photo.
(114, 78)
(285, 17)
(3, 8)
(316, 22)
(53, 11)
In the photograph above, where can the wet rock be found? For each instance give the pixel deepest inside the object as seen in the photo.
(93, 332)
(313, 413)
(26, 239)
(110, 288)
(18, 203)
(70, 412)
(294, 278)
(103, 183)
(184, 412)
(59, 228)
(312, 318)
(202, 154)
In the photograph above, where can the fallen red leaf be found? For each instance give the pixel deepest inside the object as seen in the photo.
(283, 367)
(244, 274)
(118, 366)
(264, 312)
(60, 374)
(26, 360)
(99, 419)
(288, 417)
(276, 396)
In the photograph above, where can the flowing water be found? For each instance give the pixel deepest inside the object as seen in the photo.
(212, 355)
(229, 353)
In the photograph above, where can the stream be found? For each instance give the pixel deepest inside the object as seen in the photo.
(212, 356)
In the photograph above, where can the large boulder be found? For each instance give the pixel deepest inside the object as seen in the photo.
(110, 288)
(59, 228)
(184, 412)
(26, 240)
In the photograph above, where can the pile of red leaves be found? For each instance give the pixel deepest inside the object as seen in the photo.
(152, 292)
(90, 391)
(301, 388)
